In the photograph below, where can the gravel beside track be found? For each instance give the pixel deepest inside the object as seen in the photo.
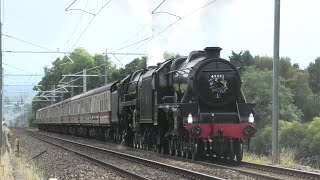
(219, 172)
(57, 163)
(283, 171)
(142, 167)
(227, 172)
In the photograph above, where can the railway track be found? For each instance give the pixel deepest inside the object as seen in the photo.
(119, 171)
(257, 171)
(188, 174)
(262, 171)
(282, 170)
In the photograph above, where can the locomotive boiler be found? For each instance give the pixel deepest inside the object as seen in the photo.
(191, 106)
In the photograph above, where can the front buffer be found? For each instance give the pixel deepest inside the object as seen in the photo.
(220, 140)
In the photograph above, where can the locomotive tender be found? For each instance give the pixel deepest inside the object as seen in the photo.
(191, 106)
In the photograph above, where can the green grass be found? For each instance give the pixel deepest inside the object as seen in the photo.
(28, 170)
(287, 157)
(6, 167)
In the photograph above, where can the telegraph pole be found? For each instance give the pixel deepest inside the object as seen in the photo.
(1, 83)
(106, 69)
(84, 80)
(106, 73)
(275, 99)
(52, 98)
(72, 88)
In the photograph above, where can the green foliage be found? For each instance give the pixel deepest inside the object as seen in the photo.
(303, 95)
(136, 64)
(297, 81)
(314, 78)
(312, 142)
(265, 62)
(257, 88)
(261, 143)
(167, 55)
(83, 60)
(241, 59)
(292, 134)
(304, 138)
(31, 119)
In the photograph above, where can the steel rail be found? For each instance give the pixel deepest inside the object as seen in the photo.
(282, 170)
(161, 166)
(261, 167)
(222, 165)
(219, 166)
(117, 170)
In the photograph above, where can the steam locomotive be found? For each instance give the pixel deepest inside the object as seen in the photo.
(191, 106)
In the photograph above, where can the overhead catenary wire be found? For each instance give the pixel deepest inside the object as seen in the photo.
(30, 43)
(142, 40)
(158, 6)
(95, 15)
(27, 42)
(3, 12)
(76, 27)
(170, 25)
(77, 9)
(131, 37)
(164, 12)
(59, 52)
(23, 75)
(146, 40)
(118, 60)
(15, 67)
(70, 5)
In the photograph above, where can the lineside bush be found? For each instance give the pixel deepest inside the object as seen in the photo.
(302, 140)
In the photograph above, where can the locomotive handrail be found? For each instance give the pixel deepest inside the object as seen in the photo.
(178, 70)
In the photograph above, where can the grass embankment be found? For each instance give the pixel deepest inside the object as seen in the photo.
(6, 170)
(287, 158)
(28, 170)
(16, 164)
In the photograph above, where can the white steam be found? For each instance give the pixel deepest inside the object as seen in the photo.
(141, 9)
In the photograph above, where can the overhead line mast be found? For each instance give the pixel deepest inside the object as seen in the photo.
(275, 99)
(1, 83)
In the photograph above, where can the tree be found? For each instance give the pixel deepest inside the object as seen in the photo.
(292, 134)
(314, 78)
(303, 95)
(100, 62)
(242, 59)
(287, 70)
(136, 64)
(167, 55)
(83, 60)
(257, 88)
(309, 149)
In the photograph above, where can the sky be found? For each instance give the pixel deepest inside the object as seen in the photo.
(230, 24)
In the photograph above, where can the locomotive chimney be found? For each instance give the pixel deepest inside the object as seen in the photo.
(213, 52)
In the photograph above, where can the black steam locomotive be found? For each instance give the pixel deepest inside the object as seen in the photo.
(190, 106)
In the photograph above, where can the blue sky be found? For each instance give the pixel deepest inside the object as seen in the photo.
(231, 24)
